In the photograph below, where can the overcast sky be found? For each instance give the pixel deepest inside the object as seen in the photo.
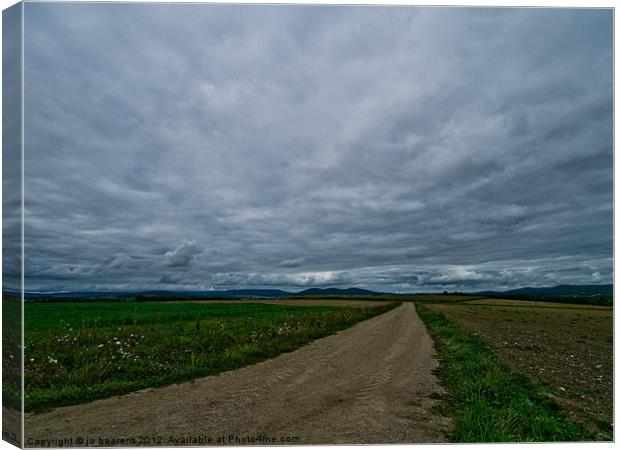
(392, 148)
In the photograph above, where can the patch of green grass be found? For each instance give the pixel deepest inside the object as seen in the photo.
(489, 401)
(606, 427)
(81, 351)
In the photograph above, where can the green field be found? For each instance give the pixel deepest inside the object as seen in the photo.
(81, 351)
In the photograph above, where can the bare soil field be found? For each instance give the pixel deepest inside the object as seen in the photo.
(532, 304)
(568, 348)
(371, 383)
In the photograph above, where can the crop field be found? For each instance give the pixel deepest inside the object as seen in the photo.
(81, 351)
(565, 349)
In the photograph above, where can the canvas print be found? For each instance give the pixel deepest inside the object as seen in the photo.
(229, 224)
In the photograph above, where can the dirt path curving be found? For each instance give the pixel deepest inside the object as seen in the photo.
(371, 383)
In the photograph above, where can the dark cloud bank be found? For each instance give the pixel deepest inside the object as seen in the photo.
(393, 148)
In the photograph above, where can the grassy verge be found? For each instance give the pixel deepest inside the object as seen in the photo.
(78, 352)
(488, 401)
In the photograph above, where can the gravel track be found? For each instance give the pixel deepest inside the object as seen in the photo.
(371, 383)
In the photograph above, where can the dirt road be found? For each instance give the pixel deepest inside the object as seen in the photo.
(371, 383)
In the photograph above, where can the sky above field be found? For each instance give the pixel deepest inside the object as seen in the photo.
(391, 148)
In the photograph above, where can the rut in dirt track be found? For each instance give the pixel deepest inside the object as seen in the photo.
(371, 383)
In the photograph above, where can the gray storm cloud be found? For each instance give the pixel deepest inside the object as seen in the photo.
(393, 148)
(183, 255)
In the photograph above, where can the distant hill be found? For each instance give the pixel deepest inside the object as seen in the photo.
(601, 294)
(152, 295)
(180, 295)
(254, 293)
(336, 291)
(71, 295)
(558, 291)
(596, 294)
(233, 293)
